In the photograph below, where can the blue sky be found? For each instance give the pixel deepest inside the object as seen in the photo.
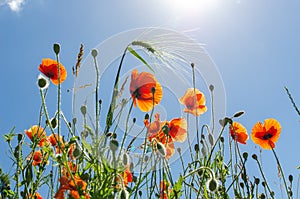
(254, 43)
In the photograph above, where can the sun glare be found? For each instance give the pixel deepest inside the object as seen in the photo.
(192, 7)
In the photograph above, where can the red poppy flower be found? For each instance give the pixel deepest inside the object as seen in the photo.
(177, 131)
(194, 100)
(238, 132)
(141, 90)
(265, 135)
(37, 133)
(50, 69)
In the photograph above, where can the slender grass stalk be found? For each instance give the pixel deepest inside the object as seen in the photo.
(97, 113)
(262, 174)
(188, 138)
(281, 171)
(195, 101)
(126, 130)
(145, 146)
(56, 48)
(292, 100)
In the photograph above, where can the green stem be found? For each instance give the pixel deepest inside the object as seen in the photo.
(281, 171)
(265, 180)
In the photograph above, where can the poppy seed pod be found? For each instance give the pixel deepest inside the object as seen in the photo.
(94, 53)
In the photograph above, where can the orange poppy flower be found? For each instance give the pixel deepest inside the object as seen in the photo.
(49, 68)
(54, 139)
(265, 135)
(178, 129)
(194, 100)
(71, 149)
(238, 132)
(75, 186)
(36, 196)
(141, 86)
(37, 133)
(72, 168)
(177, 132)
(127, 176)
(37, 158)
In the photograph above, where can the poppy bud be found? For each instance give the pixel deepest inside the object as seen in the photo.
(291, 178)
(254, 156)
(56, 48)
(211, 87)
(242, 185)
(211, 139)
(42, 82)
(212, 185)
(76, 152)
(83, 109)
(179, 150)
(94, 52)
(161, 149)
(126, 159)
(20, 137)
(196, 147)
(256, 181)
(238, 114)
(245, 155)
(113, 145)
(123, 194)
(203, 151)
(53, 122)
(222, 139)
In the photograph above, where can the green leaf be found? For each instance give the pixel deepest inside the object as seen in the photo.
(8, 137)
(177, 188)
(86, 146)
(134, 53)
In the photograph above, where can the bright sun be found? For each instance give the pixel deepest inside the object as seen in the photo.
(192, 7)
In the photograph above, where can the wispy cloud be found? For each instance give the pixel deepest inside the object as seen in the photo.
(14, 5)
